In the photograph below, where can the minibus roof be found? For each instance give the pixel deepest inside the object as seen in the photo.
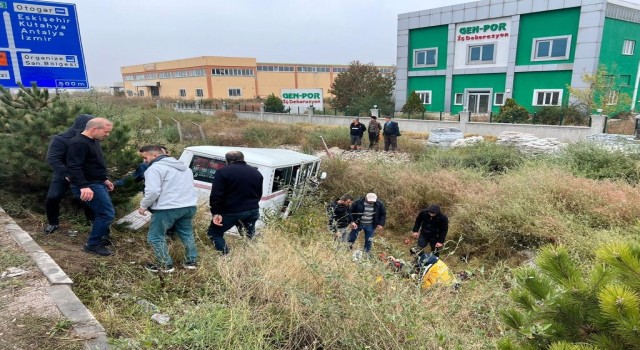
(271, 157)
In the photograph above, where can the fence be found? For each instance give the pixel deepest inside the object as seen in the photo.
(597, 124)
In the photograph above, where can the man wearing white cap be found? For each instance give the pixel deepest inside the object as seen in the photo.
(368, 214)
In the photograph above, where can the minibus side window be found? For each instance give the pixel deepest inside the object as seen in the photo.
(204, 168)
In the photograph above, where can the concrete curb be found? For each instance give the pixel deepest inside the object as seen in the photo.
(84, 323)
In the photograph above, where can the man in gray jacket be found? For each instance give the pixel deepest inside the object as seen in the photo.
(169, 194)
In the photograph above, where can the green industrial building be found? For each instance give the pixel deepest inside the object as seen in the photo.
(474, 56)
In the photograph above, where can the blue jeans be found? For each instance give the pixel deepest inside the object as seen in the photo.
(103, 211)
(161, 221)
(369, 232)
(245, 221)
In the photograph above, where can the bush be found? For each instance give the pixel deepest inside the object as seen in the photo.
(488, 158)
(512, 112)
(596, 162)
(556, 115)
(273, 104)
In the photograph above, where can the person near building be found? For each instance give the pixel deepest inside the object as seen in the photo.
(431, 228)
(57, 159)
(235, 196)
(340, 218)
(88, 177)
(170, 195)
(390, 131)
(374, 132)
(368, 215)
(357, 130)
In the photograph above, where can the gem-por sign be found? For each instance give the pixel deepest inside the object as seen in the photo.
(40, 42)
(299, 100)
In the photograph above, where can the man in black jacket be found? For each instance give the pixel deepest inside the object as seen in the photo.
(340, 217)
(57, 159)
(235, 196)
(368, 214)
(390, 131)
(435, 226)
(356, 131)
(88, 176)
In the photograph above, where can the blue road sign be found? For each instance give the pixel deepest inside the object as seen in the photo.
(40, 42)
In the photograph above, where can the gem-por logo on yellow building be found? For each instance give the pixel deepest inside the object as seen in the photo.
(299, 100)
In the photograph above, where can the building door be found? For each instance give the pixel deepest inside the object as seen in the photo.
(478, 101)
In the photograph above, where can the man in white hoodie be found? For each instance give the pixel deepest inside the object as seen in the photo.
(169, 194)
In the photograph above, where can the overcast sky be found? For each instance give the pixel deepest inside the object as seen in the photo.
(119, 33)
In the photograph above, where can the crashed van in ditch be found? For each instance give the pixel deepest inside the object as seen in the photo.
(288, 175)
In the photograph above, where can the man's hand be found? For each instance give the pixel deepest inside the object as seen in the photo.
(142, 211)
(217, 220)
(353, 225)
(439, 245)
(109, 184)
(379, 227)
(415, 234)
(86, 194)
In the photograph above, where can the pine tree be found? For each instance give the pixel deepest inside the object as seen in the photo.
(560, 307)
(413, 105)
(27, 122)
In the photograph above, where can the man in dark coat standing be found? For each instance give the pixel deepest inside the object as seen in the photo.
(57, 159)
(433, 226)
(235, 197)
(390, 131)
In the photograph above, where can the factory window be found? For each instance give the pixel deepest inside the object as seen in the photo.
(183, 92)
(425, 57)
(425, 96)
(457, 99)
(547, 97)
(551, 48)
(498, 99)
(628, 47)
(235, 92)
(479, 54)
(199, 93)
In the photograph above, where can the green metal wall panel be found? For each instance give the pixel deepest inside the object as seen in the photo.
(495, 82)
(423, 38)
(525, 83)
(623, 67)
(435, 84)
(546, 24)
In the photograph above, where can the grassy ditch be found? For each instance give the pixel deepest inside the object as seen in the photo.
(294, 288)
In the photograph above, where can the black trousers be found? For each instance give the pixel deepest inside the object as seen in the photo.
(425, 239)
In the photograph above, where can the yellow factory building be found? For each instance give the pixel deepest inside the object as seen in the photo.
(216, 77)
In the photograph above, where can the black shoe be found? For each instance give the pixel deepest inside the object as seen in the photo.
(50, 228)
(97, 250)
(107, 242)
(155, 268)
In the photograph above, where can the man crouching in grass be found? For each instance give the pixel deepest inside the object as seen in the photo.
(169, 194)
